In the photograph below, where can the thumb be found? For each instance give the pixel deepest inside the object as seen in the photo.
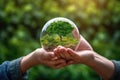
(52, 56)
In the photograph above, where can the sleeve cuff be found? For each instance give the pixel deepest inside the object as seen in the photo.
(116, 74)
(14, 70)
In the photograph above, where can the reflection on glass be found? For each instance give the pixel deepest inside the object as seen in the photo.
(59, 31)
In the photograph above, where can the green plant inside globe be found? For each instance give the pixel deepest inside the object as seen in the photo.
(59, 31)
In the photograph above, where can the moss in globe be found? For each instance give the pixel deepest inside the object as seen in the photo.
(59, 31)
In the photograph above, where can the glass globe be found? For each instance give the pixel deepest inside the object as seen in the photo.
(59, 31)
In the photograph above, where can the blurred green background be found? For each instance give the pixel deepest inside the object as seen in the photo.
(21, 22)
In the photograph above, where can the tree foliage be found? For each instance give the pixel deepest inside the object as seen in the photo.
(60, 28)
(22, 20)
(58, 33)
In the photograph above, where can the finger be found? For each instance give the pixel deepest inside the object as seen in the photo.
(59, 61)
(55, 58)
(60, 65)
(68, 54)
(71, 53)
(56, 52)
(62, 52)
(50, 55)
(70, 62)
(59, 51)
(65, 54)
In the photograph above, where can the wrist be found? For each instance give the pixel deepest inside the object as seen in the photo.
(91, 60)
(88, 57)
(28, 61)
(102, 66)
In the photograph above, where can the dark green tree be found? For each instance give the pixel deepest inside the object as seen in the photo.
(60, 28)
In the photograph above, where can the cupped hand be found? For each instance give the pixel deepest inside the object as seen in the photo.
(74, 57)
(48, 58)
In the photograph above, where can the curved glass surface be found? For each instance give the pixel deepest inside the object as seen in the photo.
(59, 31)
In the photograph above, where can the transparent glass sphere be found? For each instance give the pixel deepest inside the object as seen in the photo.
(59, 32)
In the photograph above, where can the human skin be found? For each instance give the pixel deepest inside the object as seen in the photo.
(41, 57)
(82, 45)
(85, 55)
